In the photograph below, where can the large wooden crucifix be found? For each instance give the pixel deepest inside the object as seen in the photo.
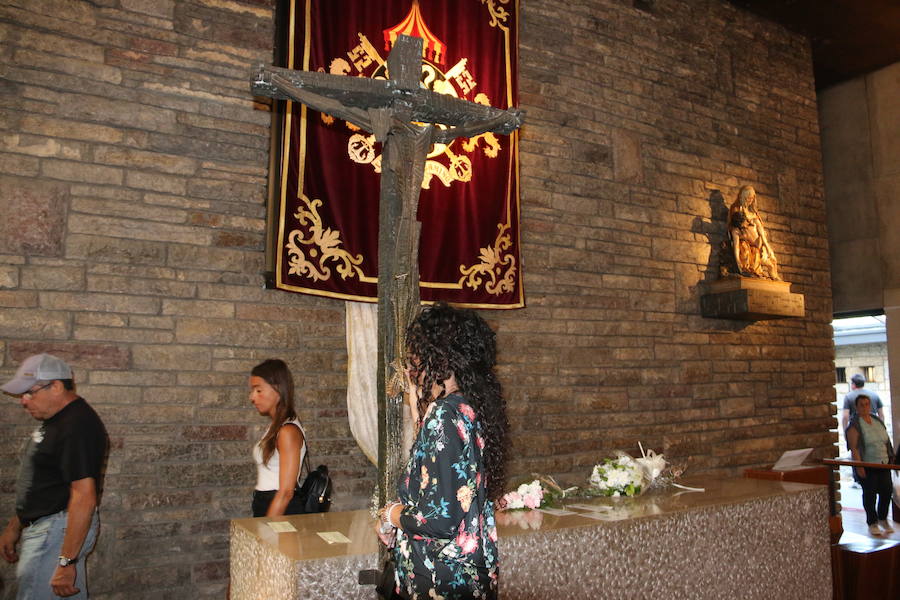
(407, 119)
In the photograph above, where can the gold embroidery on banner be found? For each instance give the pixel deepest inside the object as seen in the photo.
(322, 247)
(498, 13)
(496, 264)
(442, 162)
(493, 144)
(361, 149)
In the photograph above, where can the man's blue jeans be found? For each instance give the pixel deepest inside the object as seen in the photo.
(39, 556)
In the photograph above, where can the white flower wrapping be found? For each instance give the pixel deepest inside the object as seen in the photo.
(652, 464)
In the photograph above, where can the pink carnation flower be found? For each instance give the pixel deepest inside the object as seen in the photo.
(533, 499)
(512, 501)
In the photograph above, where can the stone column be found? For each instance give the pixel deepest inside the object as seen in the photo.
(892, 323)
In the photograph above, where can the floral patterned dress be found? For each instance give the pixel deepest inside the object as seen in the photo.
(447, 543)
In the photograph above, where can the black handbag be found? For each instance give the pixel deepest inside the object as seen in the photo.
(385, 587)
(315, 493)
(383, 579)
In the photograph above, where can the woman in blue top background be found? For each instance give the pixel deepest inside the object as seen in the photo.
(868, 441)
(443, 518)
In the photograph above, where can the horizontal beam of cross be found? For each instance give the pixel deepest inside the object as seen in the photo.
(355, 98)
(424, 106)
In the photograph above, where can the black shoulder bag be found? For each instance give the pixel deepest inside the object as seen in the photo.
(315, 493)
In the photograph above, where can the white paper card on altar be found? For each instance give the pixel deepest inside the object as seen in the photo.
(334, 537)
(599, 516)
(594, 508)
(557, 512)
(281, 526)
(792, 459)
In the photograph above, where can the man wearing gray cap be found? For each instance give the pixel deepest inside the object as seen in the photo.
(57, 489)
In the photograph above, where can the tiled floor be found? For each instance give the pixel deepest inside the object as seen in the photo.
(854, 522)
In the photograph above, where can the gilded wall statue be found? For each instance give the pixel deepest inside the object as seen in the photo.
(746, 251)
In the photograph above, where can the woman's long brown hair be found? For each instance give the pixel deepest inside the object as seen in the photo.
(275, 372)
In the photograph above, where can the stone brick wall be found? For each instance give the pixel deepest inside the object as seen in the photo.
(132, 184)
(641, 127)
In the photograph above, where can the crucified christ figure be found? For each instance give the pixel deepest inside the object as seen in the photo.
(403, 116)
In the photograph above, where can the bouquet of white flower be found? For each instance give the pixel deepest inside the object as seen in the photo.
(627, 476)
(620, 476)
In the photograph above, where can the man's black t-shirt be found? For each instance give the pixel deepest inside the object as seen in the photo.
(67, 447)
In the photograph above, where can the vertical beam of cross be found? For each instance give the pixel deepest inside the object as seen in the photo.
(398, 289)
(404, 151)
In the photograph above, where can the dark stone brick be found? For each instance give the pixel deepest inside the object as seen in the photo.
(215, 432)
(34, 216)
(233, 239)
(77, 354)
(154, 47)
(210, 571)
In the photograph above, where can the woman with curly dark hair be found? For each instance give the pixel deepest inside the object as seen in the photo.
(443, 519)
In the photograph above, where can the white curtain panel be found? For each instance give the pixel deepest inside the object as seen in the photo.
(362, 369)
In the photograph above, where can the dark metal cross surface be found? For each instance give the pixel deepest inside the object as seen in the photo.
(403, 117)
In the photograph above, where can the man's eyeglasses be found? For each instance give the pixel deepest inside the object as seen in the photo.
(34, 391)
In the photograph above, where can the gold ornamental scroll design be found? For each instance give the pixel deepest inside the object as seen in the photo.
(313, 247)
(497, 269)
(499, 15)
(443, 163)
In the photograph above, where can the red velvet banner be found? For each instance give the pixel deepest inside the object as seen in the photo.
(327, 237)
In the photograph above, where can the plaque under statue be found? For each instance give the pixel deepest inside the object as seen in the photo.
(749, 287)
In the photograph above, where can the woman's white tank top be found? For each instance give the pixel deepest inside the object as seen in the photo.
(267, 475)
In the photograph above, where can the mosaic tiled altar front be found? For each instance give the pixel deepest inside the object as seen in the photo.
(740, 538)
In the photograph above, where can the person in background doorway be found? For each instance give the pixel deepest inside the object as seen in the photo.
(857, 383)
(868, 441)
(279, 454)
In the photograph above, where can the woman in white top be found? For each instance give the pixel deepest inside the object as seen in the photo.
(279, 453)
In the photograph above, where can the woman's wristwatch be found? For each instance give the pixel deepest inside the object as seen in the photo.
(65, 561)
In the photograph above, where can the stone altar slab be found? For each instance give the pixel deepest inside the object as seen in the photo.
(750, 299)
(741, 538)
